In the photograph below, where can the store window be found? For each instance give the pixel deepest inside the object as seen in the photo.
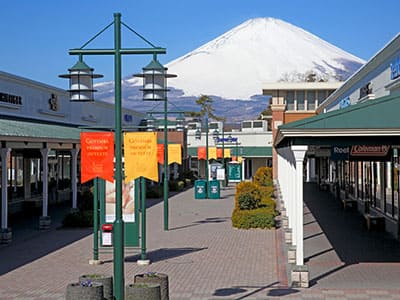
(290, 100)
(300, 100)
(311, 100)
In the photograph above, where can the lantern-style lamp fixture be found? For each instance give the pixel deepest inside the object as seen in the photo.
(155, 81)
(198, 134)
(150, 123)
(180, 119)
(215, 135)
(81, 81)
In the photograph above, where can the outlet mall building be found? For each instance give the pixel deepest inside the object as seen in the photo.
(40, 138)
(350, 148)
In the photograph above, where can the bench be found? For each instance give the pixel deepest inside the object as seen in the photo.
(349, 203)
(374, 221)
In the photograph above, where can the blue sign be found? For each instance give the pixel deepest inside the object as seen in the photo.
(344, 102)
(395, 69)
(227, 140)
(340, 153)
(128, 118)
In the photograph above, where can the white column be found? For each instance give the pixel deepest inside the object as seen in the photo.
(299, 152)
(5, 152)
(74, 179)
(45, 159)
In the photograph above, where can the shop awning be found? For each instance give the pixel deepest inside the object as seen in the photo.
(17, 130)
(372, 122)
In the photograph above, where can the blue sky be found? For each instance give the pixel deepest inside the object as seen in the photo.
(36, 35)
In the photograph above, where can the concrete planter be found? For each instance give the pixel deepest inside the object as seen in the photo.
(140, 291)
(5, 235)
(77, 291)
(105, 280)
(44, 222)
(157, 278)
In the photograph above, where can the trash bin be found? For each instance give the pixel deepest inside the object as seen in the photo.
(214, 189)
(200, 189)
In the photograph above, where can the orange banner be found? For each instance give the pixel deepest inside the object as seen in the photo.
(219, 153)
(201, 153)
(140, 155)
(97, 156)
(175, 153)
(212, 153)
(160, 153)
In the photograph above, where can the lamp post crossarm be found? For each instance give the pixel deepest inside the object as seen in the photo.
(121, 51)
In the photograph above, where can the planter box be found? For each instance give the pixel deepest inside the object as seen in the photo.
(157, 278)
(105, 280)
(141, 291)
(75, 291)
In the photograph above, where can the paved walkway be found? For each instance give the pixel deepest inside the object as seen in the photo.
(205, 258)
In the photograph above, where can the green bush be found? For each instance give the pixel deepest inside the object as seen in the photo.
(250, 188)
(248, 201)
(263, 177)
(78, 219)
(154, 191)
(176, 185)
(263, 217)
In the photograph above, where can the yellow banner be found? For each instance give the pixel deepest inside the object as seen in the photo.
(140, 155)
(212, 153)
(175, 154)
(227, 153)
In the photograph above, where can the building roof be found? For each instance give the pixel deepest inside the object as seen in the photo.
(352, 125)
(16, 130)
(286, 86)
(348, 86)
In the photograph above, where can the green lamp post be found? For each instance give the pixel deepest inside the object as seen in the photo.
(155, 89)
(117, 52)
(198, 137)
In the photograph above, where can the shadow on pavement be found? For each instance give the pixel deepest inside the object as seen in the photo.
(345, 231)
(249, 290)
(205, 221)
(164, 254)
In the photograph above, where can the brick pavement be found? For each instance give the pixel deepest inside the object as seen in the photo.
(205, 258)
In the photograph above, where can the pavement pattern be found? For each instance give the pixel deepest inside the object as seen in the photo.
(206, 258)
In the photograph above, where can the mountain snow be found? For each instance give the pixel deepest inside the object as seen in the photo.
(233, 68)
(261, 50)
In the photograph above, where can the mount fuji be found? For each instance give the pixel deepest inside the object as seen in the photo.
(234, 66)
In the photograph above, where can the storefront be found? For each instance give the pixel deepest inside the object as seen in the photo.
(40, 143)
(354, 142)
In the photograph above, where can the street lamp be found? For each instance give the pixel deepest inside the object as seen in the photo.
(117, 52)
(198, 137)
(216, 138)
(155, 89)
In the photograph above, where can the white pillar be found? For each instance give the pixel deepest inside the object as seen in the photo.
(299, 152)
(74, 179)
(45, 159)
(5, 152)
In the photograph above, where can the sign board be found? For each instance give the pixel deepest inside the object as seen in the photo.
(234, 172)
(220, 174)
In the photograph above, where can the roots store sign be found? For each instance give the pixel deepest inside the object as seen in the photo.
(361, 152)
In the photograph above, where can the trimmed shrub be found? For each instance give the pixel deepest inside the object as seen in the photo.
(154, 191)
(248, 188)
(248, 201)
(263, 217)
(176, 185)
(78, 219)
(263, 176)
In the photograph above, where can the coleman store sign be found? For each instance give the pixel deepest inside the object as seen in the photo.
(361, 152)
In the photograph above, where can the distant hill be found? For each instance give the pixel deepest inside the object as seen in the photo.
(233, 67)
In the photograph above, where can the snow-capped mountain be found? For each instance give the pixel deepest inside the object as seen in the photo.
(236, 64)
